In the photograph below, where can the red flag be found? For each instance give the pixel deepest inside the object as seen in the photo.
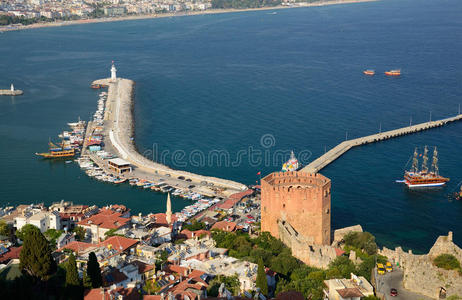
(259, 173)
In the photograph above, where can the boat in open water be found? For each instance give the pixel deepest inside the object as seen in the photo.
(424, 177)
(393, 73)
(369, 72)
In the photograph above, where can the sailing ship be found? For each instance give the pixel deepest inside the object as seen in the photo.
(292, 164)
(56, 151)
(424, 177)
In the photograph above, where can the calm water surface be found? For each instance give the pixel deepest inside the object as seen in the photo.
(219, 83)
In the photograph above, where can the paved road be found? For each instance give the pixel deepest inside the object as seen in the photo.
(395, 280)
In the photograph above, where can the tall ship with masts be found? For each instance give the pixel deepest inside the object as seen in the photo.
(56, 151)
(424, 177)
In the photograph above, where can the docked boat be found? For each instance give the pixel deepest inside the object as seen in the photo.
(57, 151)
(424, 177)
(292, 164)
(369, 72)
(393, 73)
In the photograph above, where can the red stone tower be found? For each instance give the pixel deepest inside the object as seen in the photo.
(300, 199)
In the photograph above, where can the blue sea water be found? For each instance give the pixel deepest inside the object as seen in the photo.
(229, 94)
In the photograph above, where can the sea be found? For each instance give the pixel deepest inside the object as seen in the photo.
(230, 95)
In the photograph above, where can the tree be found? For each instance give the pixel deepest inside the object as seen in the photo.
(261, 278)
(4, 228)
(94, 271)
(72, 276)
(73, 285)
(79, 233)
(25, 230)
(447, 261)
(231, 284)
(35, 257)
(364, 241)
(341, 267)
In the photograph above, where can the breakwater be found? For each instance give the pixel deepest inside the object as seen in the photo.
(118, 127)
(11, 92)
(316, 165)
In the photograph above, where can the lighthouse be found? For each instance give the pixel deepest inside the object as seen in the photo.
(113, 73)
(12, 87)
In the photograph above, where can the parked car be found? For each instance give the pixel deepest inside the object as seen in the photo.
(393, 292)
(388, 266)
(380, 269)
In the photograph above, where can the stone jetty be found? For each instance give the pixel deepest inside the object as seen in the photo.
(11, 92)
(118, 123)
(316, 165)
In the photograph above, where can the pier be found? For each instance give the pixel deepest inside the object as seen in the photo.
(11, 92)
(118, 138)
(318, 164)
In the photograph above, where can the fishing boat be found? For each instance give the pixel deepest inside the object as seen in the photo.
(292, 164)
(393, 73)
(424, 177)
(369, 72)
(57, 151)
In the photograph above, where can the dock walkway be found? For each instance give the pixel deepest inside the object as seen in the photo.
(318, 164)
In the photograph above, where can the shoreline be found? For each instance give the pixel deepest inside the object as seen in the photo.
(181, 14)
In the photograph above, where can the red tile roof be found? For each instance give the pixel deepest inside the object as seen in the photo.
(106, 294)
(119, 243)
(77, 246)
(350, 292)
(339, 252)
(13, 253)
(185, 233)
(290, 295)
(225, 226)
(107, 219)
(234, 198)
(161, 219)
(143, 267)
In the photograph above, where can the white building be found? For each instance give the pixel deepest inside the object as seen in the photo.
(348, 289)
(44, 220)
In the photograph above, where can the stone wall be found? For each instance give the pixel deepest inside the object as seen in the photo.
(421, 275)
(303, 248)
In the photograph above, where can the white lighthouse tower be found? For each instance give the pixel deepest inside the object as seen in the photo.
(113, 73)
(12, 87)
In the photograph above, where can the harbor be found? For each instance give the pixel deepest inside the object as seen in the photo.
(331, 155)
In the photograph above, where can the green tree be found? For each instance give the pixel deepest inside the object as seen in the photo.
(231, 284)
(447, 261)
(35, 257)
(52, 235)
(79, 233)
(73, 284)
(4, 228)
(25, 230)
(363, 241)
(341, 267)
(261, 278)
(94, 271)
(194, 225)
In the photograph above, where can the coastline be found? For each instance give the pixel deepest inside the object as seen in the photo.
(181, 14)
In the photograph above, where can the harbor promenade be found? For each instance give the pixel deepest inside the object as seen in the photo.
(318, 164)
(118, 126)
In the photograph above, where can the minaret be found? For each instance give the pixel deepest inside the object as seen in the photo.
(113, 73)
(168, 213)
(12, 88)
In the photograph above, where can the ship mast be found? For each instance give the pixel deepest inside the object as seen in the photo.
(435, 162)
(425, 161)
(415, 162)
